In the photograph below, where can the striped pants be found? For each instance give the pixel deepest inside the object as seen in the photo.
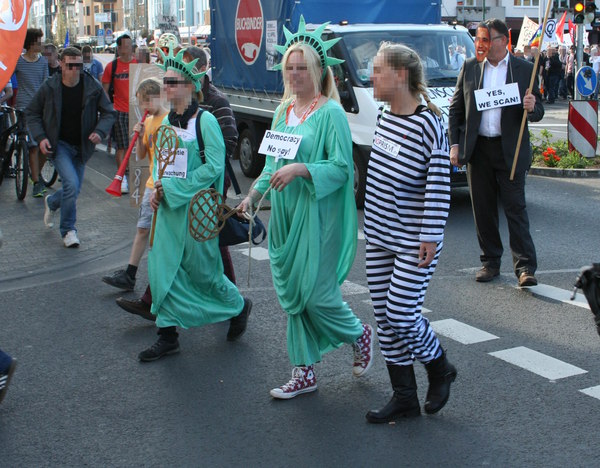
(397, 288)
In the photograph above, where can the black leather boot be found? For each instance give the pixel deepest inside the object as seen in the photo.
(441, 374)
(404, 402)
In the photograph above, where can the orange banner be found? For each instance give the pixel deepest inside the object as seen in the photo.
(13, 27)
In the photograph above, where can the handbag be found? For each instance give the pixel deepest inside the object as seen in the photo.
(236, 229)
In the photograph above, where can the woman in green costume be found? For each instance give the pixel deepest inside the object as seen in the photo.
(313, 226)
(186, 277)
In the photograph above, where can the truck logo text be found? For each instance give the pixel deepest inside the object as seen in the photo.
(249, 29)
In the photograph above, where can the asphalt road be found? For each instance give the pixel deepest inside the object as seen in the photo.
(80, 397)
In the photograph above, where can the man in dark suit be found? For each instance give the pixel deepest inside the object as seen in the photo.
(486, 140)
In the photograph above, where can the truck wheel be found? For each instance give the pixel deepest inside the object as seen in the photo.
(251, 162)
(360, 177)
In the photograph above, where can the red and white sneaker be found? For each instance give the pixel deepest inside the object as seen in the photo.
(363, 352)
(303, 380)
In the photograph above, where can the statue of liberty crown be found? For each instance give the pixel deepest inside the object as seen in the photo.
(311, 39)
(171, 62)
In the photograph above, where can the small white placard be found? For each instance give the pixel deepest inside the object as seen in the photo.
(280, 145)
(179, 167)
(492, 98)
(386, 145)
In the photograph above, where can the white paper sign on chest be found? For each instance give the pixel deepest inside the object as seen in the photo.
(493, 98)
(280, 145)
(179, 167)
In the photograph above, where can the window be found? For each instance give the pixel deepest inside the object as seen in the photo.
(87, 11)
(88, 29)
(96, 9)
(527, 3)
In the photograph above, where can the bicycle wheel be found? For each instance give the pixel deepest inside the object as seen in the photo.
(48, 173)
(20, 157)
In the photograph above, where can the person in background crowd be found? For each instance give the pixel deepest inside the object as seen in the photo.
(562, 84)
(31, 72)
(456, 58)
(51, 54)
(69, 115)
(553, 74)
(486, 141)
(570, 72)
(90, 64)
(142, 55)
(115, 81)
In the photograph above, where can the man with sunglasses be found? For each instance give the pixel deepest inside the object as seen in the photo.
(69, 115)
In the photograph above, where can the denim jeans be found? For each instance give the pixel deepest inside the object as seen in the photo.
(70, 167)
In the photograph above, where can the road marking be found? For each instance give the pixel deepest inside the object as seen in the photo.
(461, 332)
(257, 253)
(560, 295)
(538, 363)
(361, 234)
(592, 391)
(352, 289)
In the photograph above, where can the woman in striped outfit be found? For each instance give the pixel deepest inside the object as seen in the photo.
(406, 206)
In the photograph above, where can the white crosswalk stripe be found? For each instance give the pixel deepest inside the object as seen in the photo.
(461, 332)
(557, 294)
(538, 363)
(351, 289)
(257, 253)
(592, 391)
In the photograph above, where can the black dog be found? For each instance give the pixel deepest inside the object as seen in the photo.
(589, 282)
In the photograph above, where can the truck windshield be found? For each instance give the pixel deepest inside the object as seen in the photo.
(442, 52)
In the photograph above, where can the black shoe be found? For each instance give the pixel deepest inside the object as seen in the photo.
(237, 325)
(159, 349)
(5, 378)
(404, 402)
(120, 279)
(486, 274)
(137, 307)
(440, 374)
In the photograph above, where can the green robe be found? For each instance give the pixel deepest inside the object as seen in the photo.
(186, 277)
(312, 235)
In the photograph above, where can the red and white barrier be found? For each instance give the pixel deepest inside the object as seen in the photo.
(583, 127)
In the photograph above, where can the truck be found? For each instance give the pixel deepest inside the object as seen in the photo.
(243, 38)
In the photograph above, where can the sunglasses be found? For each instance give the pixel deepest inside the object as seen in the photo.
(71, 66)
(168, 81)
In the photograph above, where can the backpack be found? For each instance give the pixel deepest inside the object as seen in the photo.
(589, 282)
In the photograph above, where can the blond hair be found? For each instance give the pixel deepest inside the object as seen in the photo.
(401, 57)
(148, 87)
(323, 83)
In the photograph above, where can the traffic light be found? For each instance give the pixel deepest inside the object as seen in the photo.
(590, 12)
(578, 14)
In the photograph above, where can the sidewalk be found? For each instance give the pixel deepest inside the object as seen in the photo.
(32, 253)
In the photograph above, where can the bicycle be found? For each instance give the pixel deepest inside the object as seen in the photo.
(14, 150)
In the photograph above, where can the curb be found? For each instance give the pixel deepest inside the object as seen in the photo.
(557, 172)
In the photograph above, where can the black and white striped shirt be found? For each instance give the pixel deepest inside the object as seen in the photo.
(408, 181)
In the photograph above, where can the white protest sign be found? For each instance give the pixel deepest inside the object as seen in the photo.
(386, 145)
(179, 167)
(492, 98)
(280, 145)
(528, 29)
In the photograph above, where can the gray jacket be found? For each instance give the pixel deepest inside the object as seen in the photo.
(44, 112)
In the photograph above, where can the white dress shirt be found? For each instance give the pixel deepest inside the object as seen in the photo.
(493, 77)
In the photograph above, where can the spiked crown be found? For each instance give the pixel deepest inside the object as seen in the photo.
(171, 62)
(311, 39)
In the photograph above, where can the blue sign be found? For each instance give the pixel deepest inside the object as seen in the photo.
(100, 32)
(586, 81)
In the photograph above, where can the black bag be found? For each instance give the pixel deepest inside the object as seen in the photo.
(111, 86)
(589, 282)
(236, 229)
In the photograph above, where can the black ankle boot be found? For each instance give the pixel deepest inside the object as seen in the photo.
(404, 402)
(441, 374)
